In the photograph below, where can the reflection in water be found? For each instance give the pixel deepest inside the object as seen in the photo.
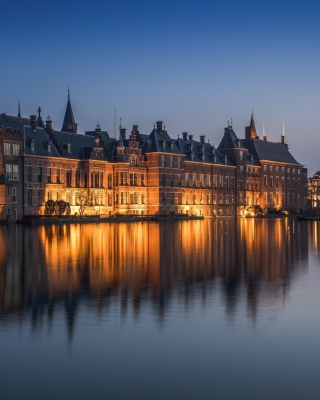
(50, 267)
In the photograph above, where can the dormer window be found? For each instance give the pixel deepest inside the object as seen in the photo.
(164, 144)
(32, 144)
(69, 147)
(171, 145)
(49, 147)
(149, 143)
(133, 161)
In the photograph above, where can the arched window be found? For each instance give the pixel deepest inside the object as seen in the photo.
(133, 160)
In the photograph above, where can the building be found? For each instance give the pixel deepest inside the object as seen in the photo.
(267, 174)
(144, 174)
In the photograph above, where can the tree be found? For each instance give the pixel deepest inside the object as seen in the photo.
(49, 207)
(82, 201)
(58, 207)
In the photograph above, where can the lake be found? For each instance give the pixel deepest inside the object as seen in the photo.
(212, 309)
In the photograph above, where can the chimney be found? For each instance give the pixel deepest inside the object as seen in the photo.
(190, 137)
(185, 135)
(123, 134)
(159, 126)
(33, 122)
(282, 139)
(264, 138)
(202, 138)
(48, 126)
(98, 129)
(135, 128)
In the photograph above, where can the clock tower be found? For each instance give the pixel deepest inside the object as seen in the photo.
(69, 124)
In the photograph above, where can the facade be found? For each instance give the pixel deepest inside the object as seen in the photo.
(314, 193)
(144, 174)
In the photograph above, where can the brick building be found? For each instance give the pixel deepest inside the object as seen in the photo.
(144, 174)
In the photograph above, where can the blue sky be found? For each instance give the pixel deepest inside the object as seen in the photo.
(193, 64)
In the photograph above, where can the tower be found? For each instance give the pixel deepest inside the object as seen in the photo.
(69, 124)
(251, 132)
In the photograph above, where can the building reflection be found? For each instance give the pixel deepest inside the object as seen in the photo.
(49, 269)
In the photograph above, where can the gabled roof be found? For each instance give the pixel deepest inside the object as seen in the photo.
(159, 142)
(269, 151)
(230, 140)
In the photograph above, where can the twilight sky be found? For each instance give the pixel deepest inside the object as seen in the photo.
(193, 64)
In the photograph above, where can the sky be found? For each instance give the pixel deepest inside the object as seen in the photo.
(192, 64)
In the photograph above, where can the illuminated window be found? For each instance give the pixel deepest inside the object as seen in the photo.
(121, 198)
(58, 172)
(68, 177)
(143, 180)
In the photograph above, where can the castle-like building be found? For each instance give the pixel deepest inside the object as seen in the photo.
(142, 174)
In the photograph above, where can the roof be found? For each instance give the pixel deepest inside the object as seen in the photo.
(269, 151)
(68, 117)
(41, 140)
(11, 121)
(200, 152)
(230, 140)
(159, 142)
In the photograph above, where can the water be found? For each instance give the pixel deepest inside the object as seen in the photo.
(196, 309)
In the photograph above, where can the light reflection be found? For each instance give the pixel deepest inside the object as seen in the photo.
(148, 263)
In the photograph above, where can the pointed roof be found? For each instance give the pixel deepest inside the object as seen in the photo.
(69, 124)
(251, 132)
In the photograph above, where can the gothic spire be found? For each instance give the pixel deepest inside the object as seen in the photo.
(19, 113)
(69, 124)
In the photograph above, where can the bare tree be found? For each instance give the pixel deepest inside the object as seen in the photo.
(83, 201)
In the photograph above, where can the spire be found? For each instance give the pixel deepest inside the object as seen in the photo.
(251, 132)
(69, 124)
(40, 123)
(283, 133)
(19, 113)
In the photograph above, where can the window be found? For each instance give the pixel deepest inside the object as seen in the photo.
(15, 172)
(7, 148)
(142, 198)
(208, 198)
(121, 178)
(288, 182)
(85, 176)
(39, 174)
(109, 199)
(163, 179)
(187, 198)
(163, 161)
(101, 179)
(227, 182)
(30, 197)
(271, 168)
(68, 177)
(58, 175)
(143, 181)
(220, 182)
(40, 197)
(78, 178)
(133, 160)
(227, 198)
(194, 198)
(220, 199)
(14, 195)
(232, 183)
(68, 196)
(282, 182)
(277, 181)
(214, 181)
(121, 198)
(49, 175)
(193, 180)
(15, 149)
(186, 179)
(171, 161)
(178, 162)
(9, 171)
(265, 180)
(271, 181)
(214, 200)
(133, 179)
(265, 167)
(201, 180)
(109, 181)
(179, 198)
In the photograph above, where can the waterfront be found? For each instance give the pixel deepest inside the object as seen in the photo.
(194, 309)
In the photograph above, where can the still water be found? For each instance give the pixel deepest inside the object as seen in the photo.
(188, 310)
